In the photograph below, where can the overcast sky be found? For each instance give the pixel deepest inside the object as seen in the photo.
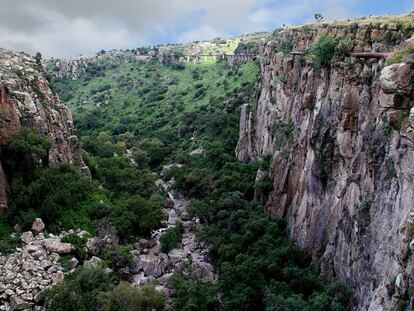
(71, 27)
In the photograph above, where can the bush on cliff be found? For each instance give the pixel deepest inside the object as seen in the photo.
(322, 51)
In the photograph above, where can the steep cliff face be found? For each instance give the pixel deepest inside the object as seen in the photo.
(26, 101)
(341, 142)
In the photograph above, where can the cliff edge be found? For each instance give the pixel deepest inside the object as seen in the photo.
(340, 138)
(26, 101)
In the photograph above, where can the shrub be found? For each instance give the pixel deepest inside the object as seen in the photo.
(79, 290)
(285, 45)
(193, 295)
(79, 243)
(322, 51)
(60, 195)
(406, 54)
(135, 215)
(171, 238)
(126, 297)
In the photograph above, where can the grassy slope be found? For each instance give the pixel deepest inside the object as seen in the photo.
(153, 100)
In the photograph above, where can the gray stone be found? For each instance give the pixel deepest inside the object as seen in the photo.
(72, 263)
(93, 262)
(26, 237)
(38, 226)
(17, 303)
(55, 246)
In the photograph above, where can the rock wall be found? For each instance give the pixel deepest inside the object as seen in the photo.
(26, 101)
(341, 143)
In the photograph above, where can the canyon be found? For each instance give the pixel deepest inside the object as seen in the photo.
(339, 140)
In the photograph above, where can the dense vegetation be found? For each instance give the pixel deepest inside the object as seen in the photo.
(64, 198)
(90, 289)
(134, 117)
(259, 268)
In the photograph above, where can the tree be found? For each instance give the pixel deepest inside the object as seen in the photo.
(126, 297)
(318, 17)
(38, 58)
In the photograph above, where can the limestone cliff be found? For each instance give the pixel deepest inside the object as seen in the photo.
(26, 101)
(341, 142)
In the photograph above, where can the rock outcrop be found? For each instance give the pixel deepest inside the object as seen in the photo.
(341, 143)
(26, 101)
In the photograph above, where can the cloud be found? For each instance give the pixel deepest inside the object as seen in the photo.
(62, 28)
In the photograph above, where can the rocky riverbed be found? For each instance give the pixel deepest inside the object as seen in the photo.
(34, 265)
(151, 265)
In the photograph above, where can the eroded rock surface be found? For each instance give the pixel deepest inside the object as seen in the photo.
(342, 159)
(26, 101)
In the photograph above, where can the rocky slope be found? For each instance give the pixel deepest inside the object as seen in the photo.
(26, 101)
(342, 154)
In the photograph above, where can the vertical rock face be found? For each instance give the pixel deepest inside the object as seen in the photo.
(26, 101)
(341, 142)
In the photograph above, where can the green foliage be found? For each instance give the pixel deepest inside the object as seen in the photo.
(8, 242)
(257, 263)
(25, 152)
(322, 51)
(406, 54)
(265, 185)
(193, 295)
(283, 132)
(60, 195)
(402, 305)
(365, 206)
(120, 177)
(135, 215)
(38, 59)
(79, 290)
(126, 297)
(285, 45)
(171, 238)
(79, 243)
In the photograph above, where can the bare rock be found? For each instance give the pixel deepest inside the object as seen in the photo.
(93, 245)
(55, 246)
(57, 277)
(38, 226)
(26, 237)
(17, 303)
(72, 263)
(93, 262)
(397, 78)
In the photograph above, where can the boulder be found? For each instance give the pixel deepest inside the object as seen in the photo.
(26, 237)
(397, 78)
(17, 303)
(93, 246)
(57, 277)
(55, 246)
(72, 263)
(143, 243)
(38, 226)
(93, 262)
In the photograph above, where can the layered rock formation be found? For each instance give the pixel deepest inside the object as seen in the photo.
(26, 101)
(341, 142)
